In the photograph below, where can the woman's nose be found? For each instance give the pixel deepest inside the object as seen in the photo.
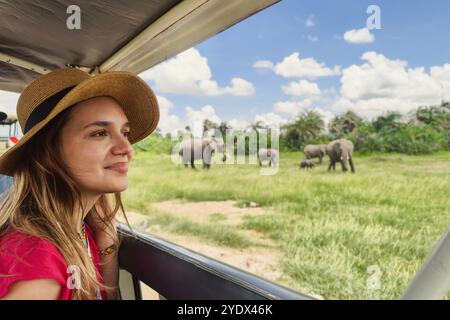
(122, 146)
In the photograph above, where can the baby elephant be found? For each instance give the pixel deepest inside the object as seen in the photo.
(306, 164)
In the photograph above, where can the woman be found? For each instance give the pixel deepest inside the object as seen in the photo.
(58, 236)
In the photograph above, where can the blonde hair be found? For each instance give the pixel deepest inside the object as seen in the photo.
(42, 199)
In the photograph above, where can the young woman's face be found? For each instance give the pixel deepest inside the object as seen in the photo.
(95, 146)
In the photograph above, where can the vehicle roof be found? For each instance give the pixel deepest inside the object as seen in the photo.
(131, 35)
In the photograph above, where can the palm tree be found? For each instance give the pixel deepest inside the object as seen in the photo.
(257, 125)
(208, 125)
(344, 124)
(308, 125)
(223, 127)
(436, 116)
(388, 122)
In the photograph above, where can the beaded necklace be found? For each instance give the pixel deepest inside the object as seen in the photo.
(85, 240)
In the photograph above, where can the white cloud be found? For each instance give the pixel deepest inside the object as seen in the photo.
(313, 38)
(238, 124)
(301, 88)
(292, 108)
(240, 87)
(263, 64)
(326, 116)
(270, 119)
(293, 66)
(168, 123)
(442, 75)
(380, 77)
(381, 84)
(189, 73)
(195, 118)
(359, 36)
(310, 21)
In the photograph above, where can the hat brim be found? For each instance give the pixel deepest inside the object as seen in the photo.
(137, 100)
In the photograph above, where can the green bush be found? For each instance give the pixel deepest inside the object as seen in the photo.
(385, 134)
(414, 139)
(155, 144)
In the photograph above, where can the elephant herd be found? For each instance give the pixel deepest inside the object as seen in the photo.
(340, 150)
(337, 151)
(196, 149)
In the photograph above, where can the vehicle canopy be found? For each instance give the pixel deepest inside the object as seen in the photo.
(131, 35)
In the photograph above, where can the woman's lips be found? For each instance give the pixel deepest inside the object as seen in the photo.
(121, 167)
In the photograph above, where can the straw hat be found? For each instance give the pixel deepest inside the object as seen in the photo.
(47, 96)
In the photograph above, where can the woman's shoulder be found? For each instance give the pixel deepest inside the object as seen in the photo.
(22, 242)
(17, 249)
(28, 257)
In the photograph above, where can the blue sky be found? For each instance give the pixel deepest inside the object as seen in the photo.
(413, 35)
(369, 72)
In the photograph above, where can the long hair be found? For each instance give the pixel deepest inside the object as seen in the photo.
(42, 199)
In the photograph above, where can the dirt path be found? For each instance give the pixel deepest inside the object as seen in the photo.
(261, 261)
(200, 211)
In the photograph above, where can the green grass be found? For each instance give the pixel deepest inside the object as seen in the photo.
(216, 233)
(330, 227)
(217, 217)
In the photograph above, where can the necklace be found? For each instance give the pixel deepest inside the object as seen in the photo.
(84, 238)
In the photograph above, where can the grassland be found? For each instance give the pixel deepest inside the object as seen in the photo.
(330, 227)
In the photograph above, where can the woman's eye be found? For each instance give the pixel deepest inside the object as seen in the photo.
(99, 134)
(103, 133)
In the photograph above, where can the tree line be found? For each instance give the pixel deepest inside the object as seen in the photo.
(423, 130)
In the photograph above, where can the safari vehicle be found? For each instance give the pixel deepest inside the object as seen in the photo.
(11, 123)
(133, 36)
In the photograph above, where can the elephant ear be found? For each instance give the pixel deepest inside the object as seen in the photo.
(337, 145)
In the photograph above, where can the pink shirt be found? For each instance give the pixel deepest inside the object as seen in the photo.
(24, 257)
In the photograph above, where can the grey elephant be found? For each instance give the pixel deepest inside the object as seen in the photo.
(340, 151)
(315, 151)
(196, 148)
(270, 155)
(306, 164)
